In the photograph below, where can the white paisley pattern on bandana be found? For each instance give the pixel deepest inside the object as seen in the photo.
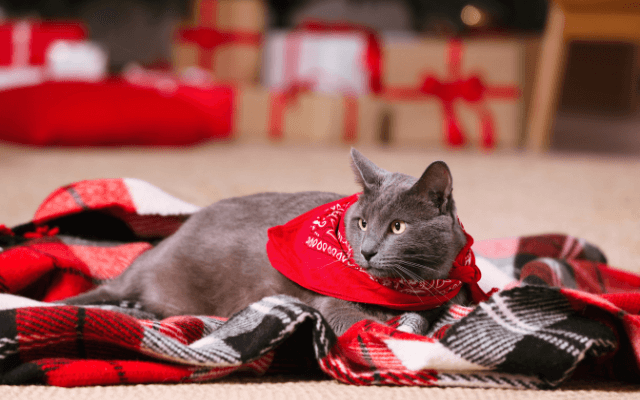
(326, 235)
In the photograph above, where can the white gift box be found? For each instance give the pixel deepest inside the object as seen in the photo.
(334, 62)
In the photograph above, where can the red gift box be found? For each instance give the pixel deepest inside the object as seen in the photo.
(142, 109)
(25, 43)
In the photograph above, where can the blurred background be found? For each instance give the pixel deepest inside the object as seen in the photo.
(533, 104)
(368, 71)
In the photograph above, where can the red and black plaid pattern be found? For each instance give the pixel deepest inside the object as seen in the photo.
(570, 313)
(74, 346)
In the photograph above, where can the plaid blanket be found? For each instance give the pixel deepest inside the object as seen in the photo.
(565, 314)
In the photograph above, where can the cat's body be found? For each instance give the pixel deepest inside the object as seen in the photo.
(216, 263)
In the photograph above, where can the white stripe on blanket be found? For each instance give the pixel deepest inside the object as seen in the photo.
(11, 301)
(417, 355)
(492, 276)
(150, 200)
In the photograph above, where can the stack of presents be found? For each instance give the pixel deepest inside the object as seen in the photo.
(231, 78)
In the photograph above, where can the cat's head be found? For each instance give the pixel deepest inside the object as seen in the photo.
(403, 227)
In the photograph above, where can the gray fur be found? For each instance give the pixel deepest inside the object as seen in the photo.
(216, 263)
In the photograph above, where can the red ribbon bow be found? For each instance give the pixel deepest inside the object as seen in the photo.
(453, 87)
(279, 102)
(472, 90)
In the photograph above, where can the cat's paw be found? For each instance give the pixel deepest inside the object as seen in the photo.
(413, 323)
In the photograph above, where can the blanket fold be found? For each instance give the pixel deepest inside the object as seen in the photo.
(566, 314)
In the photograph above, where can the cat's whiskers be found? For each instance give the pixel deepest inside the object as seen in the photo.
(342, 265)
(395, 260)
(412, 275)
(419, 279)
(414, 265)
(408, 263)
(397, 267)
(327, 264)
(397, 272)
(419, 256)
(431, 292)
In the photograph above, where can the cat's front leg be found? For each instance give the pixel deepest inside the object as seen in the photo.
(340, 314)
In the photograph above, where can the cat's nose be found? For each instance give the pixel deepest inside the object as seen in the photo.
(368, 254)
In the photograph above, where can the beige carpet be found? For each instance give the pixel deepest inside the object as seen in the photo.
(500, 194)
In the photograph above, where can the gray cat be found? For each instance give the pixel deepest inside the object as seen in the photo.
(216, 263)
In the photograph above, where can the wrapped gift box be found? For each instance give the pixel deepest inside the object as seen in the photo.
(225, 37)
(337, 57)
(25, 42)
(320, 84)
(301, 116)
(33, 51)
(139, 107)
(369, 113)
(455, 92)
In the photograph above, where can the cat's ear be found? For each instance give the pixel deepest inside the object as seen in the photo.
(368, 175)
(436, 184)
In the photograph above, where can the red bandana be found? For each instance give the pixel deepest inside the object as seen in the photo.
(312, 250)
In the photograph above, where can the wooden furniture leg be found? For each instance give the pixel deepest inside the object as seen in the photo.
(547, 83)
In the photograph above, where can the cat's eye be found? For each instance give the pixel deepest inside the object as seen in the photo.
(362, 224)
(398, 227)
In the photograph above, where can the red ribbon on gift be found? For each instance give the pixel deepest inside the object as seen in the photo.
(208, 38)
(350, 120)
(372, 56)
(472, 89)
(372, 59)
(280, 101)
